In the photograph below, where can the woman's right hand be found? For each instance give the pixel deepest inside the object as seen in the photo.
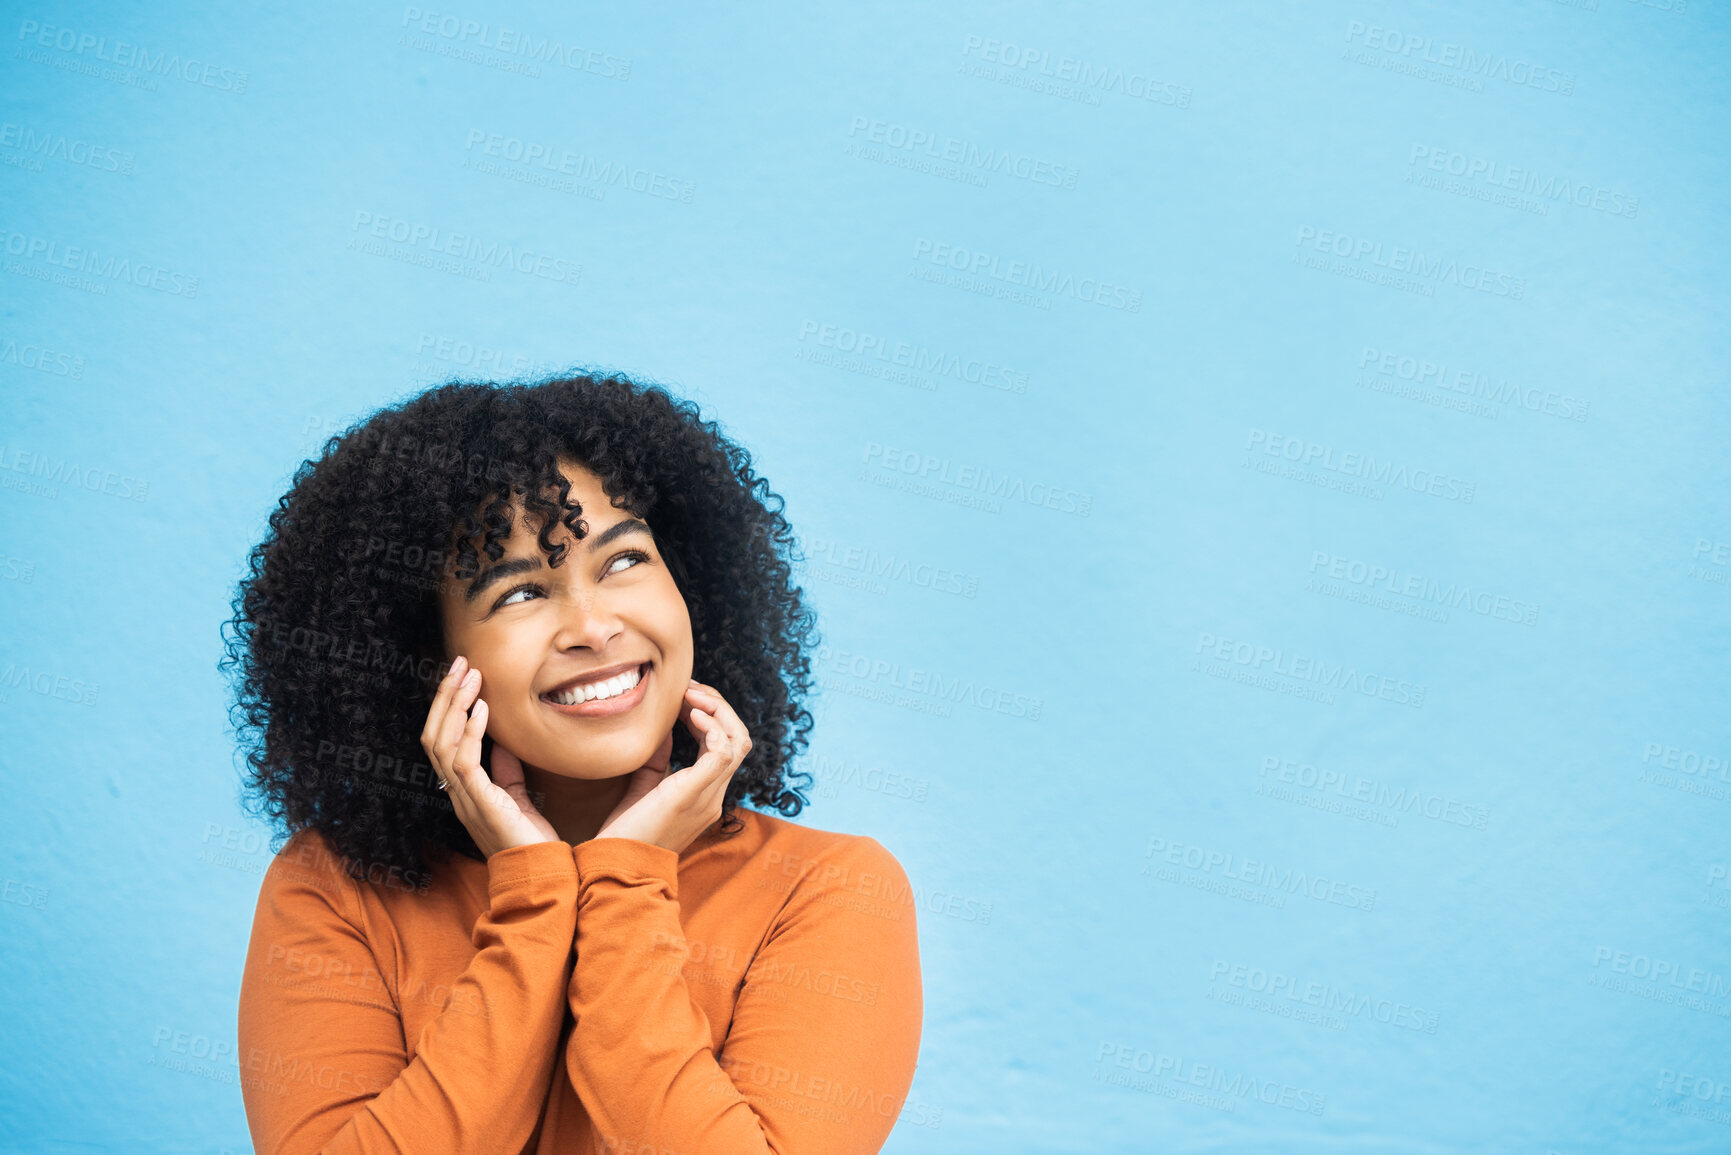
(495, 810)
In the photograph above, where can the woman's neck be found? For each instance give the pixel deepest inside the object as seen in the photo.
(575, 807)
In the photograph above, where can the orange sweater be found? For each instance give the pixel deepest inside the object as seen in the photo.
(759, 993)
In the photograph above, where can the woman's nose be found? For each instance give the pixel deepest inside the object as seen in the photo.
(586, 618)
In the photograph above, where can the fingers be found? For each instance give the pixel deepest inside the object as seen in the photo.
(457, 717)
(711, 738)
(669, 809)
(466, 763)
(434, 724)
(711, 701)
(441, 704)
(722, 738)
(717, 760)
(452, 733)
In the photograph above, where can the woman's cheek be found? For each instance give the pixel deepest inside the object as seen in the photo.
(508, 727)
(671, 699)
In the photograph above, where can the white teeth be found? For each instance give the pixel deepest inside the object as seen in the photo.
(611, 688)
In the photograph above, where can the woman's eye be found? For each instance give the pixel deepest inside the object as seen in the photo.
(638, 555)
(507, 599)
(635, 556)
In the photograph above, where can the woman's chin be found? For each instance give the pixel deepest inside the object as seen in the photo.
(595, 770)
(589, 771)
(621, 755)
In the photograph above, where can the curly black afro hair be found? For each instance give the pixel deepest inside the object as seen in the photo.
(336, 647)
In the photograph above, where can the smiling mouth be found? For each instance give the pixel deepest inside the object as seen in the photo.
(618, 689)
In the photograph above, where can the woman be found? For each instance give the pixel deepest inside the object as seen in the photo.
(558, 932)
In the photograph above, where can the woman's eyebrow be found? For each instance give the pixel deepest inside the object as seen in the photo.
(618, 529)
(519, 565)
(499, 573)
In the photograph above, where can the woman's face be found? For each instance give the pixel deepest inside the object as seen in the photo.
(541, 635)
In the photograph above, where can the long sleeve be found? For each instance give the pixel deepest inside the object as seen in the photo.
(323, 1060)
(823, 1043)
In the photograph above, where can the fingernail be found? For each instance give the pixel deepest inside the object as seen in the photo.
(472, 676)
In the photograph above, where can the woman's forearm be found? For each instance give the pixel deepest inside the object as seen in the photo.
(803, 1071)
(334, 1077)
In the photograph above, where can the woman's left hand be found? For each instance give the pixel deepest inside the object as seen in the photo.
(671, 809)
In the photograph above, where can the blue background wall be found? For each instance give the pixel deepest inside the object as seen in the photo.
(1304, 429)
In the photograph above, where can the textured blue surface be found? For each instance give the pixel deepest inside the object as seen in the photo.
(1264, 473)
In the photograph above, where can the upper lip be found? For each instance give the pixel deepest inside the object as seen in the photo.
(596, 675)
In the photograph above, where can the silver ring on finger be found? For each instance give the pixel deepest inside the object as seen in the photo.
(441, 784)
